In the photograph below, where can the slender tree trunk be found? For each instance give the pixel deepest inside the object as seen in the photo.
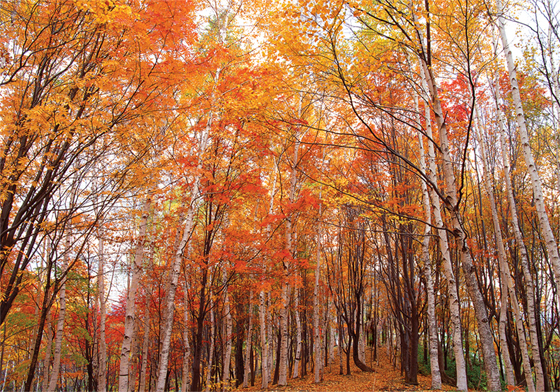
(506, 287)
(48, 353)
(529, 286)
(318, 371)
(228, 338)
(211, 354)
(264, 341)
(102, 373)
(60, 324)
(431, 316)
(454, 309)
(451, 200)
(283, 360)
(544, 223)
(130, 312)
(248, 344)
(270, 339)
(297, 359)
(187, 356)
(176, 267)
(145, 347)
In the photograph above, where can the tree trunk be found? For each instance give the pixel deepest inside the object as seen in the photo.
(544, 223)
(451, 200)
(529, 286)
(228, 338)
(264, 342)
(283, 359)
(60, 324)
(48, 353)
(248, 344)
(431, 314)
(454, 309)
(506, 286)
(296, 372)
(102, 370)
(318, 363)
(211, 353)
(145, 346)
(187, 356)
(130, 312)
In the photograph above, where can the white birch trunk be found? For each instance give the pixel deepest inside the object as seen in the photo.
(185, 384)
(454, 309)
(296, 372)
(130, 312)
(211, 355)
(332, 333)
(248, 344)
(544, 223)
(529, 286)
(60, 323)
(318, 358)
(176, 267)
(283, 366)
(451, 200)
(272, 340)
(228, 336)
(506, 287)
(145, 347)
(264, 342)
(102, 373)
(432, 326)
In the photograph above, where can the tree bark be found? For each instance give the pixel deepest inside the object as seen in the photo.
(454, 309)
(248, 344)
(228, 338)
(264, 341)
(60, 324)
(102, 370)
(485, 332)
(130, 312)
(506, 286)
(145, 347)
(431, 314)
(529, 286)
(544, 223)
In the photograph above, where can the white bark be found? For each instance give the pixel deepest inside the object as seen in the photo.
(211, 355)
(187, 356)
(102, 371)
(264, 341)
(228, 336)
(248, 344)
(544, 223)
(506, 285)
(451, 200)
(271, 338)
(130, 312)
(283, 366)
(176, 267)
(318, 358)
(60, 323)
(332, 334)
(432, 326)
(454, 309)
(145, 347)
(529, 286)
(298, 337)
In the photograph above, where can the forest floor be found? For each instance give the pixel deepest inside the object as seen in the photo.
(385, 378)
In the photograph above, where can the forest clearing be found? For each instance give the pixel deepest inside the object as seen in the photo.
(209, 195)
